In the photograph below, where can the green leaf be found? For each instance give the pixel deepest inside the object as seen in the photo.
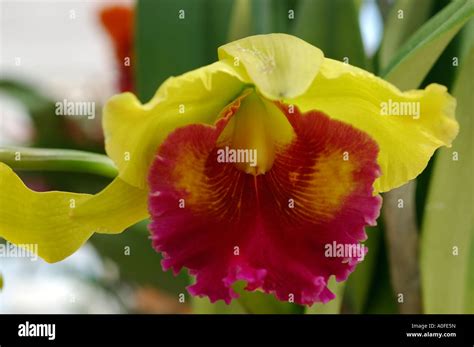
(204, 306)
(415, 59)
(27, 95)
(404, 18)
(381, 298)
(261, 303)
(447, 244)
(384, 7)
(359, 282)
(49, 128)
(175, 36)
(137, 261)
(270, 16)
(219, 14)
(253, 17)
(248, 302)
(41, 159)
(467, 39)
(333, 306)
(332, 26)
(240, 25)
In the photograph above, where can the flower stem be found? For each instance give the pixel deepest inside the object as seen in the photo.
(45, 159)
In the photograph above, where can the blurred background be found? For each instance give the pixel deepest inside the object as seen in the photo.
(90, 50)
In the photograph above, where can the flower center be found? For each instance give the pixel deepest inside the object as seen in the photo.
(253, 135)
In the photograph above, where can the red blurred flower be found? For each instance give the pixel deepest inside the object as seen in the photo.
(118, 22)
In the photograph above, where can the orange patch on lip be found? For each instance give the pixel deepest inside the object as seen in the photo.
(332, 180)
(327, 183)
(192, 182)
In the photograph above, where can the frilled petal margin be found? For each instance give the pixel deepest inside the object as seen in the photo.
(269, 230)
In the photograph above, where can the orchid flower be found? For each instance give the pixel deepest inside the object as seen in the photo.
(324, 151)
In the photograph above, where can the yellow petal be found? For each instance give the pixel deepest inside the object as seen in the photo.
(48, 220)
(134, 131)
(406, 141)
(116, 207)
(281, 66)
